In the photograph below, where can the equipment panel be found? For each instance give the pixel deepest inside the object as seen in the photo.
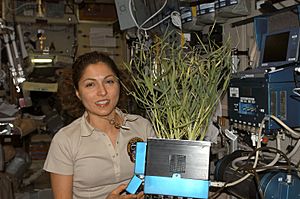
(254, 95)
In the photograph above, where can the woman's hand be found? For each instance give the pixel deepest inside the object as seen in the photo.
(117, 194)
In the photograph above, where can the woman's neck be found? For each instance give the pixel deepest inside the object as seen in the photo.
(108, 125)
(105, 123)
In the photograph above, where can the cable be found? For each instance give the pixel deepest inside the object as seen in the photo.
(289, 168)
(176, 19)
(296, 91)
(278, 146)
(261, 194)
(21, 6)
(217, 193)
(175, 16)
(296, 71)
(282, 167)
(234, 162)
(254, 169)
(296, 135)
(297, 165)
(238, 38)
(270, 150)
(295, 149)
(277, 151)
(151, 27)
(256, 156)
(158, 11)
(293, 134)
(131, 14)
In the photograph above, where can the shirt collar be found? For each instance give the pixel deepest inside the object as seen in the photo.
(87, 129)
(126, 117)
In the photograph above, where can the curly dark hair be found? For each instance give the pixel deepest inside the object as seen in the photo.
(86, 59)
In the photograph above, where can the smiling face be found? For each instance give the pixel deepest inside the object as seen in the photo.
(99, 90)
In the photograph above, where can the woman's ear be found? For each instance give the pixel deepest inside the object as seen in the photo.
(77, 94)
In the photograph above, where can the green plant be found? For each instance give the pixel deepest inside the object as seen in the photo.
(179, 86)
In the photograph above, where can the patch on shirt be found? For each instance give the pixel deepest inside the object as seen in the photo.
(131, 146)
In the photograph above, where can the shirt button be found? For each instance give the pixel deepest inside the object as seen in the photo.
(113, 156)
(117, 154)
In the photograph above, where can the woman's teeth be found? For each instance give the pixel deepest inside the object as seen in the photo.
(102, 102)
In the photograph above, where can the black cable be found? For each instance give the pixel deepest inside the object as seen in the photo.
(270, 150)
(217, 193)
(297, 166)
(283, 167)
(254, 170)
(261, 194)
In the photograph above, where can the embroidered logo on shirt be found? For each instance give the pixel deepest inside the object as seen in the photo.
(131, 147)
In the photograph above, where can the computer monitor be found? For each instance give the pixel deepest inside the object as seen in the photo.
(280, 48)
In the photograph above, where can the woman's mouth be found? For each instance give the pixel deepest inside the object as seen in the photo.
(102, 103)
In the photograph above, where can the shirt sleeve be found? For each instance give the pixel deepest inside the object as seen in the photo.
(59, 158)
(150, 130)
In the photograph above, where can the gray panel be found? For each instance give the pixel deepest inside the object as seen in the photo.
(166, 157)
(279, 21)
(125, 19)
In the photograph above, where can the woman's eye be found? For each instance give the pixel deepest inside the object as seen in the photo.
(91, 84)
(109, 81)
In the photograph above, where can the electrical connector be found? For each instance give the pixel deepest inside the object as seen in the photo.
(217, 184)
(288, 178)
(176, 19)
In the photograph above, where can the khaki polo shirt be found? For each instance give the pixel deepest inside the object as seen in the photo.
(87, 153)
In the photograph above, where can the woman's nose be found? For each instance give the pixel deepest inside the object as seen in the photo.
(101, 90)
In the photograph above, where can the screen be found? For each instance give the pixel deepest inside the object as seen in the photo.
(276, 47)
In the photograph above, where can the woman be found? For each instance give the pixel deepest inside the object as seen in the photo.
(92, 157)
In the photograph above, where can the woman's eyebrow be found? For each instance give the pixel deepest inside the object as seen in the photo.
(93, 78)
(109, 76)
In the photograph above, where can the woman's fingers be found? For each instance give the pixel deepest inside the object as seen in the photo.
(119, 189)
